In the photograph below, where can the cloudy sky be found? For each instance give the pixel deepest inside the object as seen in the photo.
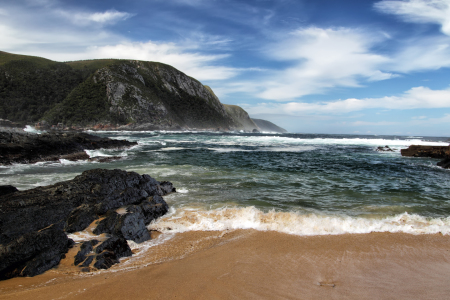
(310, 66)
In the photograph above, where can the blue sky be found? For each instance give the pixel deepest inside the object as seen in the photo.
(322, 66)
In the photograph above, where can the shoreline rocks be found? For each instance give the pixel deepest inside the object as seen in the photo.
(34, 223)
(441, 152)
(31, 148)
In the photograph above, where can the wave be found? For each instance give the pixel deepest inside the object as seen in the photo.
(188, 219)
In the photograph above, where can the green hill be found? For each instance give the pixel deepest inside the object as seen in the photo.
(123, 94)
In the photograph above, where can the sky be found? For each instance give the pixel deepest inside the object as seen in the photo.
(310, 66)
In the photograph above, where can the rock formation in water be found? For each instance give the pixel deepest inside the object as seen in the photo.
(30, 148)
(34, 223)
(111, 94)
(441, 152)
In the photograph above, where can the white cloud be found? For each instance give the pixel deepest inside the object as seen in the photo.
(415, 98)
(323, 59)
(196, 65)
(102, 18)
(419, 11)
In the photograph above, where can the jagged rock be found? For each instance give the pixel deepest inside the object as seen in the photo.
(109, 252)
(131, 226)
(72, 206)
(33, 253)
(153, 208)
(85, 248)
(7, 189)
(166, 187)
(30, 148)
(385, 149)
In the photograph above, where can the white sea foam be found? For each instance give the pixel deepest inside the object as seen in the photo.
(295, 223)
(81, 236)
(31, 129)
(96, 153)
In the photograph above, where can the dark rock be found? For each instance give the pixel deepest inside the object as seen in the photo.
(427, 151)
(106, 260)
(109, 252)
(444, 163)
(7, 189)
(85, 249)
(103, 159)
(72, 206)
(33, 253)
(80, 218)
(31, 148)
(167, 187)
(385, 149)
(89, 259)
(153, 208)
(118, 245)
(131, 226)
(442, 152)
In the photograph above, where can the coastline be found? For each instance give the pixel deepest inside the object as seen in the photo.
(250, 264)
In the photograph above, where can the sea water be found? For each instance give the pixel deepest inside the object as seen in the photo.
(303, 184)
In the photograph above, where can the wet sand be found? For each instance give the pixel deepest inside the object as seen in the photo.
(249, 264)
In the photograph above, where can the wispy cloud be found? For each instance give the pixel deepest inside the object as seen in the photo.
(415, 98)
(419, 11)
(194, 64)
(104, 18)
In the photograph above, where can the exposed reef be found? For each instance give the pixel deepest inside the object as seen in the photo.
(30, 148)
(34, 223)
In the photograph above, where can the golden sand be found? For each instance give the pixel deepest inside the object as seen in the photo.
(249, 264)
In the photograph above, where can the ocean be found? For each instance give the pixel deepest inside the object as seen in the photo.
(301, 184)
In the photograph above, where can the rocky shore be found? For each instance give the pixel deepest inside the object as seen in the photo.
(441, 152)
(31, 148)
(116, 205)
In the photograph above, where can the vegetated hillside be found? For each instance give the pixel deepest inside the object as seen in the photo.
(144, 95)
(122, 94)
(29, 86)
(265, 125)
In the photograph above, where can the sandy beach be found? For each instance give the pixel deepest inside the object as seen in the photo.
(250, 264)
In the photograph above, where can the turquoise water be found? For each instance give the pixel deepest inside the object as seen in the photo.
(295, 183)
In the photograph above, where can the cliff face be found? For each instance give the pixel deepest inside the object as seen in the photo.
(118, 94)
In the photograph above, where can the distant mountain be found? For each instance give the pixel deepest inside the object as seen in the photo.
(268, 126)
(120, 94)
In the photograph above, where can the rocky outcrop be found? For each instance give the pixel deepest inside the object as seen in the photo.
(441, 152)
(264, 125)
(31, 148)
(34, 223)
